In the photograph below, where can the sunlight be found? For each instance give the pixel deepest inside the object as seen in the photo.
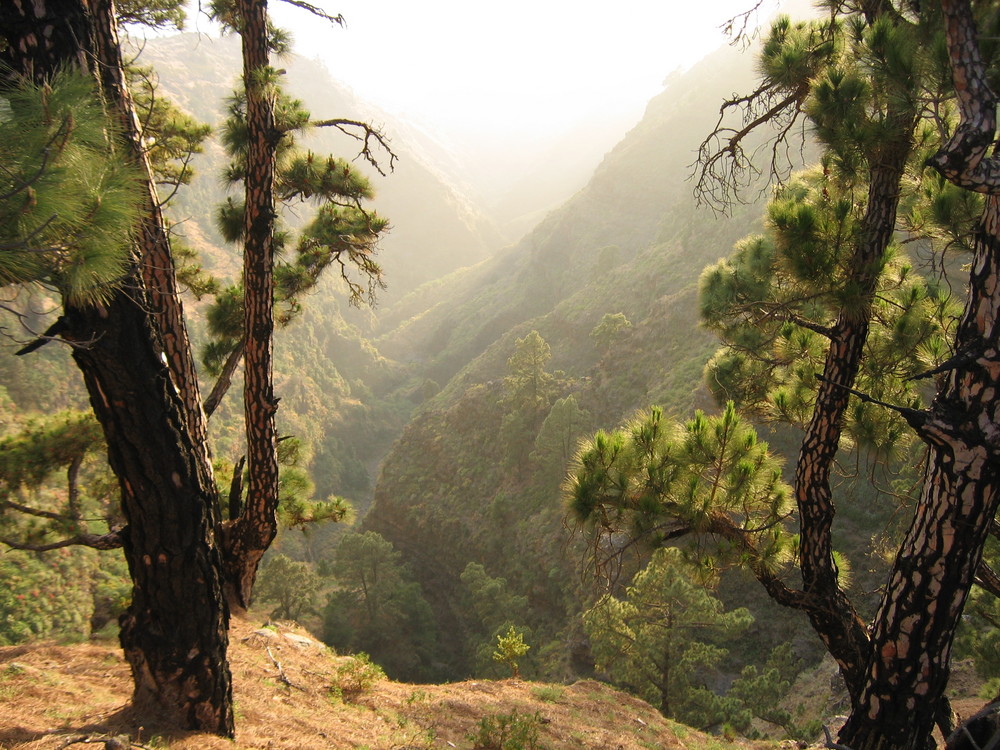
(488, 70)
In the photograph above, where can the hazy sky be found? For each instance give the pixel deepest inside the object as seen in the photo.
(490, 68)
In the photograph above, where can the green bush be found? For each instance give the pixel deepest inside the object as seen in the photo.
(511, 731)
(355, 677)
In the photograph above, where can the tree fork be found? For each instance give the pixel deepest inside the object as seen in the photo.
(833, 616)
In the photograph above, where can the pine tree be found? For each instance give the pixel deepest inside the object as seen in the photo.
(662, 636)
(826, 325)
(133, 352)
(937, 561)
(258, 135)
(378, 609)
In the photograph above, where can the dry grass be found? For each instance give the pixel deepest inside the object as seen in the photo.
(55, 697)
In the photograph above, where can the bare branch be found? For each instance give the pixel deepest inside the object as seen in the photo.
(111, 540)
(319, 12)
(369, 134)
(281, 672)
(224, 380)
(144, 125)
(37, 512)
(236, 490)
(736, 27)
(176, 183)
(52, 333)
(988, 579)
(723, 167)
(73, 487)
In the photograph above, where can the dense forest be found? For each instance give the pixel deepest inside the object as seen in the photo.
(722, 420)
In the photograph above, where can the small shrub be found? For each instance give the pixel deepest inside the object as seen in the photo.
(510, 648)
(511, 731)
(356, 677)
(417, 696)
(548, 693)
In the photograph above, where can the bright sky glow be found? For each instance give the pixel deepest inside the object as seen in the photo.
(488, 69)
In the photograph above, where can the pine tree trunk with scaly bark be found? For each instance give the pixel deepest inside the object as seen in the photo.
(249, 536)
(832, 615)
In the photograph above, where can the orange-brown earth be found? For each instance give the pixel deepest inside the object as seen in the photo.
(61, 696)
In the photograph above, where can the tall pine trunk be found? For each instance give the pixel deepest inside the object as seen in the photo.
(249, 536)
(831, 613)
(175, 631)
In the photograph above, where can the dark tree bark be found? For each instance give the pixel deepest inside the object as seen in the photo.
(937, 563)
(251, 534)
(831, 613)
(157, 263)
(175, 632)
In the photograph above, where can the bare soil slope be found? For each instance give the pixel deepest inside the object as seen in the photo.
(54, 696)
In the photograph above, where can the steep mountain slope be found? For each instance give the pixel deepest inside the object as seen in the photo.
(638, 197)
(475, 478)
(339, 393)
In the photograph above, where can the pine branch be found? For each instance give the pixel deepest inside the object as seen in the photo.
(20, 185)
(960, 359)
(24, 245)
(778, 312)
(782, 594)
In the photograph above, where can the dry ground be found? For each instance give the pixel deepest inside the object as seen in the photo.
(54, 697)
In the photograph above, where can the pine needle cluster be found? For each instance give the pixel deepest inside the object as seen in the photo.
(67, 204)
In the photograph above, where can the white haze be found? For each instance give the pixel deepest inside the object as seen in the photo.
(511, 68)
(515, 68)
(515, 87)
